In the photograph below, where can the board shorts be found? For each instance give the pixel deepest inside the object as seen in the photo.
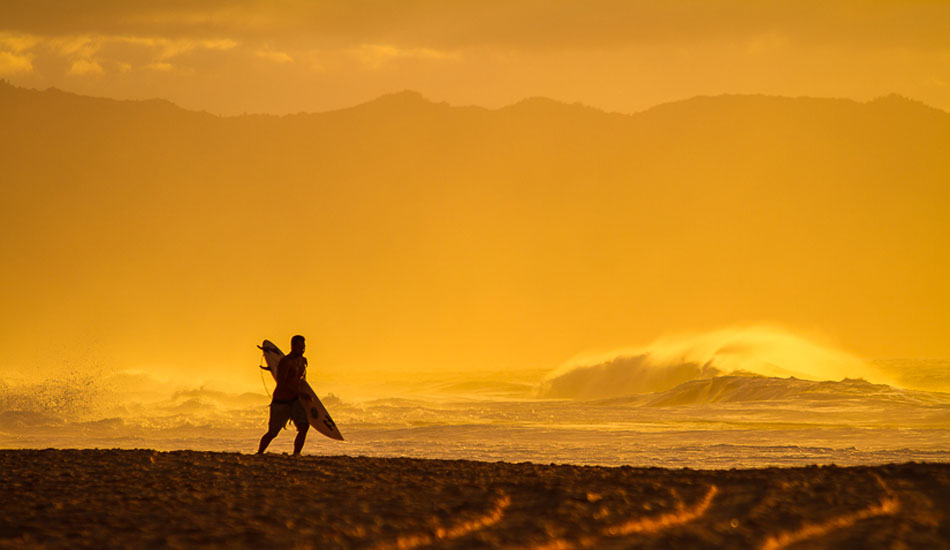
(282, 411)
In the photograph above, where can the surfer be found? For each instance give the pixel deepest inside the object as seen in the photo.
(286, 404)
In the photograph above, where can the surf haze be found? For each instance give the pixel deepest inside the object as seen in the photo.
(665, 364)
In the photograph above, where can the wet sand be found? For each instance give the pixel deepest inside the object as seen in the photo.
(187, 499)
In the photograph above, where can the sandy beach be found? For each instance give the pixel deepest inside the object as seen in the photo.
(188, 499)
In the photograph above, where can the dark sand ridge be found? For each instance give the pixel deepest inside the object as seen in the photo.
(186, 499)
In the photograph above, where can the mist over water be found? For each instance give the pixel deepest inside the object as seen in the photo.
(668, 363)
(750, 397)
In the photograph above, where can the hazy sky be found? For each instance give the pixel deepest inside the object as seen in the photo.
(293, 55)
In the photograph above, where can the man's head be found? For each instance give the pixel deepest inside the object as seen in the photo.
(297, 344)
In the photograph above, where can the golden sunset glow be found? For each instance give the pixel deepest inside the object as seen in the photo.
(495, 274)
(413, 231)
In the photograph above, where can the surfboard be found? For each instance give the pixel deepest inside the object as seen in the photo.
(316, 413)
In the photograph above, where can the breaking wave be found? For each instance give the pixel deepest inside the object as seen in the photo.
(668, 363)
(51, 402)
(800, 393)
(124, 399)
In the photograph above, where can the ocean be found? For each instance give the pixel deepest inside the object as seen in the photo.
(629, 410)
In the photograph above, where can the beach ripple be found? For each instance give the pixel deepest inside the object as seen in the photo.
(187, 499)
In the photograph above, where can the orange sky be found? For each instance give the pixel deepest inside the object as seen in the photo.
(230, 57)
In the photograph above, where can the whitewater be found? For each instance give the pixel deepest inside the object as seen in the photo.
(719, 400)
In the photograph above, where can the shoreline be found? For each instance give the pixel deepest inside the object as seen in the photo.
(198, 499)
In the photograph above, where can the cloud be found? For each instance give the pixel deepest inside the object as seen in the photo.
(160, 66)
(165, 48)
(12, 63)
(17, 42)
(84, 46)
(373, 34)
(86, 54)
(275, 56)
(519, 24)
(14, 55)
(170, 48)
(84, 67)
(375, 56)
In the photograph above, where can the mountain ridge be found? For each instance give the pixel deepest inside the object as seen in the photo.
(540, 227)
(416, 100)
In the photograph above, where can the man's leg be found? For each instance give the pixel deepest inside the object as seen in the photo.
(301, 437)
(278, 417)
(299, 416)
(265, 441)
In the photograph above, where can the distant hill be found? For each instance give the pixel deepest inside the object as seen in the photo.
(540, 225)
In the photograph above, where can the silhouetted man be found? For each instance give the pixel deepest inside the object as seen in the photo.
(286, 404)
